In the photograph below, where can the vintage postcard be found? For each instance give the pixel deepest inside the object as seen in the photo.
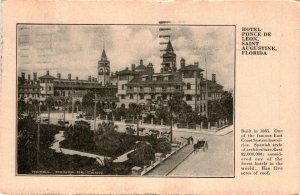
(150, 109)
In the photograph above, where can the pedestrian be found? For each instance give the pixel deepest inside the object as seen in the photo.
(192, 139)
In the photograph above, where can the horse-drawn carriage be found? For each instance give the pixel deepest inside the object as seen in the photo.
(202, 144)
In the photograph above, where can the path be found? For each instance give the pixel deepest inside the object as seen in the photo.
(165, 167)
(56, 146)
(123, 157)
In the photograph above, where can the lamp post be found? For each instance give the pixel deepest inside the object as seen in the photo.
(38, 120)
(95, 100)
(171, 116)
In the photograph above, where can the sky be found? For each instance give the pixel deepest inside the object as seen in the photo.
(76, 49)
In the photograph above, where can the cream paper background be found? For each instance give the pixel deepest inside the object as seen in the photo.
(266, 90)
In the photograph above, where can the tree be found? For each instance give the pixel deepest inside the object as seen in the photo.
(221, 109)
(49, 103)
(79, 134)
(106, 138)
(163, 113)
(142, 154)
(136, 110)
(21, 107)
(162, 145)
(64, 102)
(88, 103)
(227, 104)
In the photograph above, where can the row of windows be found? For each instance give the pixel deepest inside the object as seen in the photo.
(142, 96)
(46, 81)
(49, 88)
(31, 95)
(164, 96)
(130, 88)
(30, 89)
(107, 70)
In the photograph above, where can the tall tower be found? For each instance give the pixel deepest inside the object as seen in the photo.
(103, 69)
(169, 59)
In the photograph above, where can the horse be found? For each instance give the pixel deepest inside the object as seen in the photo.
(200, 145)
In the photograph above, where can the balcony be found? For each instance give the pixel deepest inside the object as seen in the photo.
(155, 90)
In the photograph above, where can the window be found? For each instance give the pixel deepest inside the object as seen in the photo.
(164, 89)
(42, 88)
(188, 74)
(123, 87)
(141, 96)
(123, 97)
(49, 88)
(141, 89)
(101, 70)
(188, 85)
(189, 98)
(131, 96)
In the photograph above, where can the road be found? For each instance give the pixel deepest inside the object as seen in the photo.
(218, 161)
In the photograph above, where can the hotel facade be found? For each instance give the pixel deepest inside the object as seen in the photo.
(137, 84)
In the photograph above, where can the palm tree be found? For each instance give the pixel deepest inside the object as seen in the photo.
(49, 102)
(136, 110)
(65, 101)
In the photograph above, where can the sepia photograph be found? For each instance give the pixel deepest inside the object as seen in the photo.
(151, 100)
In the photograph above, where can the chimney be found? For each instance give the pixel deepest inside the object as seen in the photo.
(141, 61)
(58, 76)
(34, 76)
(77, 78)
(133, 67)
(89, 78)
(28, 77)
(182, 63)
(23, 75)
(47, 72)
(213, 77)
(69, 77)
(196, 64)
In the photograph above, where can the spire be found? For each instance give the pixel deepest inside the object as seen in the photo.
(169, 47)
(103, 55)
